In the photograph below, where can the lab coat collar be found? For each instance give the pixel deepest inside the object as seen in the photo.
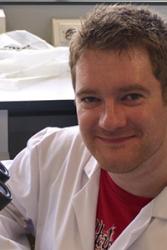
(91, 167)
(84, 203)
(160, 205)
(157, 208)
(134, 230)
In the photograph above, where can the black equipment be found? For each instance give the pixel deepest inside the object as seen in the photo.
(5, 194)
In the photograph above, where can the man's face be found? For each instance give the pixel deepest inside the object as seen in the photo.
(121, 114)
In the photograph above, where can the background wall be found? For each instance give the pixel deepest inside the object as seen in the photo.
(37, 18)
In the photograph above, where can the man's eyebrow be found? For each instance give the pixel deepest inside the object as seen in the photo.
(124, 89)
(134, 87)
(85, 91)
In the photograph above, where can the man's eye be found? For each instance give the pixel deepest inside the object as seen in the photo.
(88, 102)
(90, 99)
(132, 98)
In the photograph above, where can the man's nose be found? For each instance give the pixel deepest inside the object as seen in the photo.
(112, 116)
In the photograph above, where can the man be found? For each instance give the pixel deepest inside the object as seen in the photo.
(102, 185)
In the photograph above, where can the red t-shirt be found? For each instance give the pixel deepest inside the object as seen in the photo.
(116, 208)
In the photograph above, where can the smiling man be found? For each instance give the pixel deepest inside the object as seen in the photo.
(121, 113)
(118, 65)
(101, 185)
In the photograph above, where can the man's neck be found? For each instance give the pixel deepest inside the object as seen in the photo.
(147, 180)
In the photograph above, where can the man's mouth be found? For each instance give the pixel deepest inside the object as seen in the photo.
(115, 139)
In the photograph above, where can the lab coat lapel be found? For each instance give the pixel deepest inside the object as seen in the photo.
(84, 204)
(134, 230)
(156, 209)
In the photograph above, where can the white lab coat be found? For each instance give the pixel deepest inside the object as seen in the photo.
(55, 182)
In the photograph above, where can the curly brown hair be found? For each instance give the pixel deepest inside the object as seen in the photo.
(123, 27)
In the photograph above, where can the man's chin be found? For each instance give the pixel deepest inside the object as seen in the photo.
(116, 167)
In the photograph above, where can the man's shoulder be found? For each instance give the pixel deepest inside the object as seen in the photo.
(55, 135)
(59, 147)
(57, 131)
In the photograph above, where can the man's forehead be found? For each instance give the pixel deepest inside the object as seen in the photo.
(128, 52)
